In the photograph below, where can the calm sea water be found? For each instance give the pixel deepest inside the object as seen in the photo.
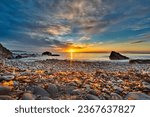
(87, 56)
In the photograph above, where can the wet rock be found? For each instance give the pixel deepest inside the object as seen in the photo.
(118, 89)
(91, 97)
(115, 96)
(52, 90)
(28, 96)
(40, 91)
(140, 61)
(5, 90)
(5, 97)
(7, 78)
(137, 96)
(117, 56)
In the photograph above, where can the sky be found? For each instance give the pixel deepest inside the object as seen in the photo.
(81, 25)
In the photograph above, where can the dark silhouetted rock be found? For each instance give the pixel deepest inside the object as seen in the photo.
(47, 53)
(55, 55)
(117, 56)
(4, 52)
(140, 61)
(18, 57)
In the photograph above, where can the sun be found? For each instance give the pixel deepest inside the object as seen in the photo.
(71, 50)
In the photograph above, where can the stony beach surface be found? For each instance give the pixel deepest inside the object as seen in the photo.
(74, 80)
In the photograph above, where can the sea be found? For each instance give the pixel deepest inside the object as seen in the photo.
(82, 56)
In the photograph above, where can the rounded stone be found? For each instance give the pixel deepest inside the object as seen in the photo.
(28, 96)
(5, 90)
(137, 96)
(52, 90)
(40, 91)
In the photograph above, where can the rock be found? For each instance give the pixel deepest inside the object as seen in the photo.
(28, 96)
(4, 52)
(45, 98)
(140, 61)
(117, 56)
(52, 90)
(5, 90)
(46, 53)
(7, 78)
(146, 85)
(69, 89)
(115, 96)
(18, 57)
(91, 97)
(5, 97)
(137, 96)
(118, 89)
(40, 91)
(76, 92)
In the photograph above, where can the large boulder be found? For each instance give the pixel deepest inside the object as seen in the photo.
(4, 52)
(117, 56)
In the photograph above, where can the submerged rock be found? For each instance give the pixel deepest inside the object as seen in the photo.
(117, 56)
(137, 96)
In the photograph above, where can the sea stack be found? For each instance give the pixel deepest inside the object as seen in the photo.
(117, 56)
(4, 52)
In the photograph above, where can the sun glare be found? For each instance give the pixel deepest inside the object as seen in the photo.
(71, 50)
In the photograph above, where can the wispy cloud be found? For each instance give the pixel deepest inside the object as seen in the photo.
(51, 23)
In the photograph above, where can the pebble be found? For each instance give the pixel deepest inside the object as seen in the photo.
(28, 96)
(137, 96)
(7, 78)
(5, 90)
(40, 91)
(146, 85)
(52, 90)
(115, 96)
(91, 97)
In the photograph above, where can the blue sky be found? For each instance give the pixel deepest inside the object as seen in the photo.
(79, 24)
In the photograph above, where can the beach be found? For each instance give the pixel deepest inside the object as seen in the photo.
(54, 79)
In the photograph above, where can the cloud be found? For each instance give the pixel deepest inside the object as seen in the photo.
(52, 23)
(136, 42)
(57, 30)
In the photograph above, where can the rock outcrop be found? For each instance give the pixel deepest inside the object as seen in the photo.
(47, 53)
(140, 61)
(4, 52)
(117, 56)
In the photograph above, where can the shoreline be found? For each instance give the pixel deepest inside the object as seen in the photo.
(62, 80)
